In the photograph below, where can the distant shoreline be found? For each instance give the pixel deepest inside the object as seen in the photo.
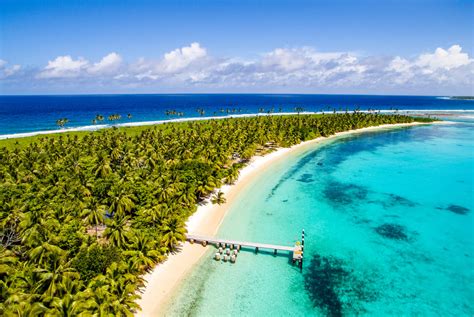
(165, 279)
(461, 98)
(92, 128)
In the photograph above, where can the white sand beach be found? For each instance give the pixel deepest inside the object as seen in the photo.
(165, 279)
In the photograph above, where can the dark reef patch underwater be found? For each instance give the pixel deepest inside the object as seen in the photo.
(460, 210)
(400, 201)
(392, 231)
(306, 178)
(338, 193)
(336, 289)
(393, 200)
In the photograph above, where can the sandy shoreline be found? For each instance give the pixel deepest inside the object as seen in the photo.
(165, 279)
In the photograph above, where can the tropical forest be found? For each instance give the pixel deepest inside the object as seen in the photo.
(84, 215)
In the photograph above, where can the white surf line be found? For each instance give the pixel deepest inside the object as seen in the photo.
(247, 115)
(140, 123)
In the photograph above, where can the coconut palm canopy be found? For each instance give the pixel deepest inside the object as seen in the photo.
(83, 217)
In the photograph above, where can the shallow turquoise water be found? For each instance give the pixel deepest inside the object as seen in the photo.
(389, 231)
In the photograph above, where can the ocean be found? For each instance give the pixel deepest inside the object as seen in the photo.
(388, 218)
(25, 115)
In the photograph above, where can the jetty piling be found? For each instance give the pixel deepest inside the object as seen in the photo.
(302, 250)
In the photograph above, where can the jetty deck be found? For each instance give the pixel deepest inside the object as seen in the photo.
(212, 240)
(296, 250)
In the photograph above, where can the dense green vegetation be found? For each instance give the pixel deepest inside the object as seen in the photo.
(84, 215)
(462, 97)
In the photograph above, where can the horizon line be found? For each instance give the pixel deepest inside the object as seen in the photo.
(225, 93)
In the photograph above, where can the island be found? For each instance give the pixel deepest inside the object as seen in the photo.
(86, 214)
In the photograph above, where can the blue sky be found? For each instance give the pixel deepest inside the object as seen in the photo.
(239, 46)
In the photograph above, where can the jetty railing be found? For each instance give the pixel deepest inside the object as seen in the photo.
(296, 249)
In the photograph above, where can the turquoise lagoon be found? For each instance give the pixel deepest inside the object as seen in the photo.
(389, 231)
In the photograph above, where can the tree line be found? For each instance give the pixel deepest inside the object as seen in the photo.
(83, 218)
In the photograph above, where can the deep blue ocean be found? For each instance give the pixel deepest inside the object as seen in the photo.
(24, 114)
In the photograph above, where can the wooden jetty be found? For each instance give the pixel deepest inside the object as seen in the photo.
(296, 250)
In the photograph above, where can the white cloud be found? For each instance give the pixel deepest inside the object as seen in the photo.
(67, 67)
(6, 71)
(399, 65)
(282, 69)
(107, 65)
(174, 65)
(402, 68)
(63, 67)
(182, 57)
(286, 59)
(12, 70)
(306, 57)
(448, 66)
(443, 59)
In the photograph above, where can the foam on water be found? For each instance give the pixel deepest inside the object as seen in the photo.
(141, 123)
(450, 114)
(389, 230)
(21, 115)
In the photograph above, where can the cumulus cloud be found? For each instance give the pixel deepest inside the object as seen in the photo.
(451, 65)
(177, 64)
(297, 58)
(67, 67)
(285, 59)
(286, 69)
(107, 65)
(63, 66)
(443, 59)
(182, 57)
(8, 71)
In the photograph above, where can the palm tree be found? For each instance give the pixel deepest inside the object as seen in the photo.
(52, 280)
(45, 253)
(94, 214)
(116, 231)
(144, 254)
(103, 168)
(218, 198)
(25, 309)
(62, 122)
(299, 109)
(173, 232)
(121, 203)
(68, 305)
(233, 175)
(155, 215)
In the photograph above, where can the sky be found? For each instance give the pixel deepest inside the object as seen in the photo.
(422, 47)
